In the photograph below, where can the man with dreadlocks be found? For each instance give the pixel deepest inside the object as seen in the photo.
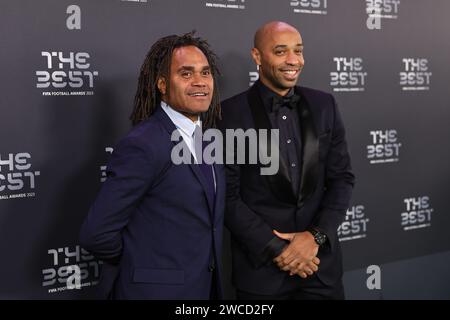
(157, 225)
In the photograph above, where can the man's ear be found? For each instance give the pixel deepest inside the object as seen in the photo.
(256, 56)
(162, 85)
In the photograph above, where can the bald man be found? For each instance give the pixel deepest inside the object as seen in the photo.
(284, 226)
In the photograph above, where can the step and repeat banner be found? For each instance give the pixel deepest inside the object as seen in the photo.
(69, 73)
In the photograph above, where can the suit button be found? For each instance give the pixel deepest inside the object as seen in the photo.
(211, 268)
(214, 230)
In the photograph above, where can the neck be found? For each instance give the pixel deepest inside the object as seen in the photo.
(280, 91)
(191, 116)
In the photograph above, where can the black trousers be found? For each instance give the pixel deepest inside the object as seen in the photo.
(297, 288)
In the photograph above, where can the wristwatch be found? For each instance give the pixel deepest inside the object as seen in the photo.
(319, 237)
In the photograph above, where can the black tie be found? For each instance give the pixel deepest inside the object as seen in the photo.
(289, 102)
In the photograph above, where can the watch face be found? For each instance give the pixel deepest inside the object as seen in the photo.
(320, 238)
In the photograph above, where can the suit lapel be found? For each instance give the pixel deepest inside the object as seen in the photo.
(280, 182)
(170, 127)
(310, 144)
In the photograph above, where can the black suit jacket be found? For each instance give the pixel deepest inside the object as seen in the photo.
(257, 204)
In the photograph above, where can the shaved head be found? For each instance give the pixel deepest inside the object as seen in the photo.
(278, 53)
(266, 31)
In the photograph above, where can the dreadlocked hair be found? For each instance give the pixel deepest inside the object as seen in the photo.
(157, 64)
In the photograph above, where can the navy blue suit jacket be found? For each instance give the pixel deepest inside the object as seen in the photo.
(152, 223)
(257, 204)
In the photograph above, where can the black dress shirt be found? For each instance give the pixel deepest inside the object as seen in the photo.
(285, 118)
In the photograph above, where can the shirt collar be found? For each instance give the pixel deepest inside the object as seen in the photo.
(267, 95)
(180, 120)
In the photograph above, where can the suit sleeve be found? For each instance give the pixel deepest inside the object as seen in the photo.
(339, 182)
(251, 231)
(246, 226)
(130, 172)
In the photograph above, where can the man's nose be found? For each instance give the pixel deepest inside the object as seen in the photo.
(198, 80)
(294, 59)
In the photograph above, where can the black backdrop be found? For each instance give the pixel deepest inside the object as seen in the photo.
(68, 76)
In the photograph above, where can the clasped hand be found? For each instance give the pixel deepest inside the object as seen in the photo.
(300, 255)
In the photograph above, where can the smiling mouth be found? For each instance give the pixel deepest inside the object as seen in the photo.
(290, 72)
(198, 94)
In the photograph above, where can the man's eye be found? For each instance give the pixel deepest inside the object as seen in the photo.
(186, 74)
(279, 53)
(206, 73)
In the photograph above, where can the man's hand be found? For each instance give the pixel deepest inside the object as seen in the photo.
(299, 257)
